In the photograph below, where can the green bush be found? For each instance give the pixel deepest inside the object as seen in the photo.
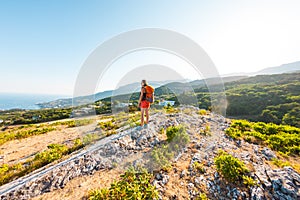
(280, 163)
(176, 133)
(54, 152)
(90, 138)
(248, 181)
(206, 131)
(202, 196)
(202, 112)
(231, 168)
(199, 167)
(161, 158)
(134, 184)
(282, 138)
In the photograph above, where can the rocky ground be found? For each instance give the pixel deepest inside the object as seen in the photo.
(130, 147)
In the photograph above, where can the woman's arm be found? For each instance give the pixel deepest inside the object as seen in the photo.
(141, 95)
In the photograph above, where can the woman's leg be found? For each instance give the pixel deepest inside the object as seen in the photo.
(147, 115)
(142, 116)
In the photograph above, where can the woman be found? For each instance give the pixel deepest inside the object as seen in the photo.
(143, 104)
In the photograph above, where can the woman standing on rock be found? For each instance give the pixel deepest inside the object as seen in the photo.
(146, 98)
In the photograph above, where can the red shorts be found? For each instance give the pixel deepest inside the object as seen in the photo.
(145, 104)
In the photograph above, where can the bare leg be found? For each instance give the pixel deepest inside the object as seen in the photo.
(147, 115)
(142, 116)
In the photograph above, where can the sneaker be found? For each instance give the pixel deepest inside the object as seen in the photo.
(146, 125)
(139, 128)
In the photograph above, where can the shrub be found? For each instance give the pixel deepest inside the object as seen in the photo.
(205, 131)
(54, 152)
(199, 167)
(233, 133)
(248, 181)
(202, 112)
(90, 138)
(280, 163)
(82, 122)
(231, 168)
(202, 196)
(160, 158)
(161, 130)
(134, 184)
(109, 125)
(175, 131)
(170, 109)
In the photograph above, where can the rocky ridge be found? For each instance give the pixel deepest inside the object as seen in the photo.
(272, 183)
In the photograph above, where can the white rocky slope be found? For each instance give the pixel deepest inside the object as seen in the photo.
(272, 183)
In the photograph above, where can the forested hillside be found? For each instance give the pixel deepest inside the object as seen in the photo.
(267, 98)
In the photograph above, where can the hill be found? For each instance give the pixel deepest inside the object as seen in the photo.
(125, 89)
(285, 68)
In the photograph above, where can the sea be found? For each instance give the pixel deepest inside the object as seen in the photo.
(24, 101)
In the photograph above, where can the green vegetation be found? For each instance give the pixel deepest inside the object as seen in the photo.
(161, 156)
(29, 130)
(134, 184)
(177, 134)
(267, 98)
(249, 181)
(119, 120)
(202, 196)
(206, 131)
(202, 112)
(74, 123)
(281, 138)
(17, 116)
(88, 139)
(198, 167)
(280, 163)
(162, 130)
(170, 109)
(54, 152)
(14, 134)
(231, 168)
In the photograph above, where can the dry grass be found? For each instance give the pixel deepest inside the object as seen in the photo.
(22, 149)
(79, 187)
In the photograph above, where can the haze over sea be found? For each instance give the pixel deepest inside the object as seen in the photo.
(24, 101)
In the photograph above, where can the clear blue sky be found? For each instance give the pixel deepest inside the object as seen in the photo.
(44, 43)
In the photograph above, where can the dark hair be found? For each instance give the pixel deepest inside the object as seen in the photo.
(145, 82)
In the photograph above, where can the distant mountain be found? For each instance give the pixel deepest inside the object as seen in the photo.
(285, 68)
(125, 89)
(135, 87)
(174, 86)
